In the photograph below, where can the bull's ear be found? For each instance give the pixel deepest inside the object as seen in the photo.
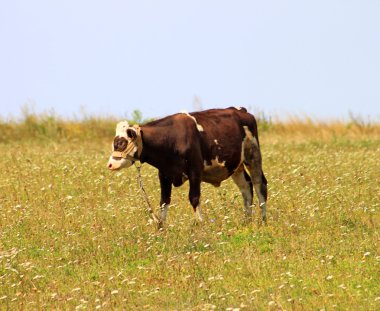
(131, 133)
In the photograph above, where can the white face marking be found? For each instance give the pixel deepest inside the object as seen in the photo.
(121, 129)
(199, 127)
(216, 142)
(238, 108)
(118, 163)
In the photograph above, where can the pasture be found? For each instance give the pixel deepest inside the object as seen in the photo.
(75, 236)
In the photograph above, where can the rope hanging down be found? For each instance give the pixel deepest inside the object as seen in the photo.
(150, 209)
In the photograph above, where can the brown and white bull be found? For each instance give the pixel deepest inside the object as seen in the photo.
(207, 146)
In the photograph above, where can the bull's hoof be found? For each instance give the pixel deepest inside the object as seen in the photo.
(160, 225)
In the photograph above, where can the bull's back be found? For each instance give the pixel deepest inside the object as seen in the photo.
(222, 121)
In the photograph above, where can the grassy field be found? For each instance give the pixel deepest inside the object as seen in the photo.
(76, 236)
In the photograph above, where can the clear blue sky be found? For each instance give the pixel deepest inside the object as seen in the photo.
(320, 58)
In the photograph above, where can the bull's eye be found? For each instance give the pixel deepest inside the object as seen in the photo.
(120, 143)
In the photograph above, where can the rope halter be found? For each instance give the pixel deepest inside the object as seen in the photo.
(133, 144)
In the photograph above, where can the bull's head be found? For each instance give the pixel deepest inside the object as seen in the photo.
(126, 146)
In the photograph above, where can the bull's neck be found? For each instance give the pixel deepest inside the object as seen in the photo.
(154, 143)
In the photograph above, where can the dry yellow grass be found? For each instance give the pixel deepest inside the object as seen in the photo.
(75, 236)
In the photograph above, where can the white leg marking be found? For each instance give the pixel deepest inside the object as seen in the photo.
(198, 213)
(262, 203)
(248, 211)
(164, 211)
(239, 179)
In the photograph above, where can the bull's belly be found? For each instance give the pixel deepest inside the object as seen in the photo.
(215, 174)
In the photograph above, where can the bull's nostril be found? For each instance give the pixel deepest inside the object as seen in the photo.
(110, 165)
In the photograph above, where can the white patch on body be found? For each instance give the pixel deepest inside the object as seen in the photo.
(214, 173)
(242, 153)
(214, 163)
(248, 133)
(250, 136)
(199, 127)
(248, 140)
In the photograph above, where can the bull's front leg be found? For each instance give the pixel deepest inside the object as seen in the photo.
(195, 194)
(166, 190)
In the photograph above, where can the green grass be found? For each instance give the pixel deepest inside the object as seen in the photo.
(75, 236)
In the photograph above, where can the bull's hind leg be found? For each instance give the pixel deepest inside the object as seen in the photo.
(253, 162)
(262, 193)
(244, 182)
